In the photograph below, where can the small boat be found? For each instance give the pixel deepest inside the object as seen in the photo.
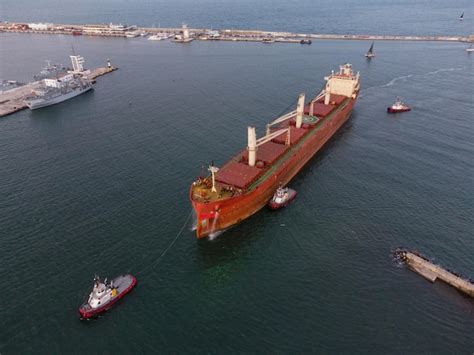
(282, 197)
(470, 49)
(76, 33)
(461, 17)
(103, 295)
(132, 34)
(370, 53)
(306, 41)
(159, 37)
(398, 106)
(144, 34)
(268, 40)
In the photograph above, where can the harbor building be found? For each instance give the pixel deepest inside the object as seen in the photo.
(107, 30)
(40, 26)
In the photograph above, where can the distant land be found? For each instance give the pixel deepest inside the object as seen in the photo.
(120, 30)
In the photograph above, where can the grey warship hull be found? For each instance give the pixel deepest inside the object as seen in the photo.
(48, 101)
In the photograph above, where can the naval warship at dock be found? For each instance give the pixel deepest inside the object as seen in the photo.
(245, 184)
(54, 91)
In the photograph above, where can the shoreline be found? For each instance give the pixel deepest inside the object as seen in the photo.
(102, 30)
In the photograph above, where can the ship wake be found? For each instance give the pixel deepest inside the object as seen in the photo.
(404, 78)
(195, 222)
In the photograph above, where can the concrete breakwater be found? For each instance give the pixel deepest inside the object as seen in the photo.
(432, 272)
(208, 34)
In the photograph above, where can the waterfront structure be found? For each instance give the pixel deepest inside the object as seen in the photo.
(424, 267)
(248, 180)
(108, 30)
(120, 30)
(184, 37)
(40, 26)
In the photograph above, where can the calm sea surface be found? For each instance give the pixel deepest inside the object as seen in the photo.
(99, 184)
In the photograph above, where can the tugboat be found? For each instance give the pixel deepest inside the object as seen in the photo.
(398, 106)
(104, 295)
(282, 197)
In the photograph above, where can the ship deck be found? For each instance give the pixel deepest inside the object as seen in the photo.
(236, 175)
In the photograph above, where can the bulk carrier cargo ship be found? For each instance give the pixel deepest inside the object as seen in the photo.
(248, 181)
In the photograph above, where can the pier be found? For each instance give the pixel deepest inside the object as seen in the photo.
(432, 272)
(222, 35)
(95, 73)
(13, 100)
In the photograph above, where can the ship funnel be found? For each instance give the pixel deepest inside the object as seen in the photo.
(252, 146)
(299, 111)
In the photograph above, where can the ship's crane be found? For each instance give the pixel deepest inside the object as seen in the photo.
(253, 142)
(213, 169)
(298, 112)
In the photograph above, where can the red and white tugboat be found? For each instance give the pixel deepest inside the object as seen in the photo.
(104, 295)
(282, 197)
(398, 106)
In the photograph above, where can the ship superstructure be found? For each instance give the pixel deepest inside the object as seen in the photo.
(245, 184)
(50, 71)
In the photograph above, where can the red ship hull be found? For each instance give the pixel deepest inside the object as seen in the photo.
(396, 110)
(86, 314)
(219, 215)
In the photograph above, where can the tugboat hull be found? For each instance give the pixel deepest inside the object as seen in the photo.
(396, 110)
(123, 284)
(291, 196)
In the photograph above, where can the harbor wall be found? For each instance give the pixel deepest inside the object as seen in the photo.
(433, 272)
(225, 34)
